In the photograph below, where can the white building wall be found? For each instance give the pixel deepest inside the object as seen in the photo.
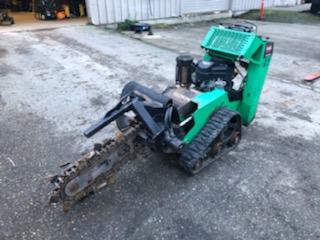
(240, 5)
(114, 11)
(286, 2)
(198, 6)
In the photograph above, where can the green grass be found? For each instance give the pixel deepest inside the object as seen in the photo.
(161, 26)
(283, 16)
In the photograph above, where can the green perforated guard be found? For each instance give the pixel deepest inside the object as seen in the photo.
(228, 41)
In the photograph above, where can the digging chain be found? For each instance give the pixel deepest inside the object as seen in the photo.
(115, 151)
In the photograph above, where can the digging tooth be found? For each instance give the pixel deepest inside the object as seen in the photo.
(54, 199)
(97, 147)
(67, 173)
(111, 179)
(60, 179)
(65, 165)
(52, 178)
(66, 206)
(102, 185)
(89, 155)
(76, 164)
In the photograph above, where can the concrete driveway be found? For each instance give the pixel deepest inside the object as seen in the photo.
(54, 83)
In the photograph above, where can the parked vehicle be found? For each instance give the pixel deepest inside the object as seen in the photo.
(5, 19)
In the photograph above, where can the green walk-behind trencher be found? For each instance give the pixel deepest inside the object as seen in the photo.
(198, 119)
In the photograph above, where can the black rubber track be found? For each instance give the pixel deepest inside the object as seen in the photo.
(198, 149)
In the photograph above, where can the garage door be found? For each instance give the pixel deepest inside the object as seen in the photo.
(196, 6)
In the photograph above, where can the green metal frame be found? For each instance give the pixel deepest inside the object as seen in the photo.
(233, 45)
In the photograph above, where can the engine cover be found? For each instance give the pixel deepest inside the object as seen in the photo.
(208, 72)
